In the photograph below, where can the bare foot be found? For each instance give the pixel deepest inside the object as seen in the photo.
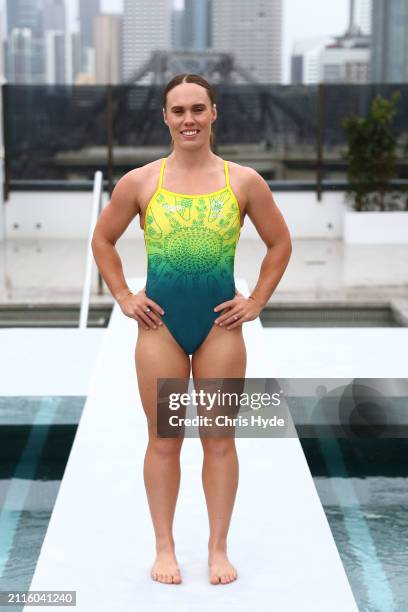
(221, 570)
(165, 568)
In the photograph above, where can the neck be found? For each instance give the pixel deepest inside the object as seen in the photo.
(191, 159)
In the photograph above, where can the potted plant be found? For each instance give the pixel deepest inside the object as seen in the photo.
(379, 212)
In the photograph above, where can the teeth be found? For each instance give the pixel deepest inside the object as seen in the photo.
(190, 133)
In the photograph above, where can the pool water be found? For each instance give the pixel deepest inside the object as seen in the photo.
(36, 436)
(363, 487)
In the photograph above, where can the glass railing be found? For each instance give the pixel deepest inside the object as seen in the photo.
(286, 132)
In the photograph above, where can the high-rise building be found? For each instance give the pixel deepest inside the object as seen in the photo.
(55, 42)
(346, 60)
(25, 42)
(146, 28)
(361, 15)
(177, 25)
(196, 25)
(107, 49)
(2, 48)
(389, 58)
(25, 14)
(252, 32)
(305, 60)
(54, 15)
(55, 57)
(336, 59)
(76, 52)
(25, 54)
(88, 10)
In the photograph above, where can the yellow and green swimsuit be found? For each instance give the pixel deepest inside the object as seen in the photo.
(190, 243)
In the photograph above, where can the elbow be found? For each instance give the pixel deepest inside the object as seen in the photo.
(283, 244)
(94, 242)
(286, 244)
(94, 235)
(98, 239)
(287, 249)
(282, 250)
(289, 246)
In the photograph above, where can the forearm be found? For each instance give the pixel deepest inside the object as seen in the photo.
(272, 268)
(110, 266)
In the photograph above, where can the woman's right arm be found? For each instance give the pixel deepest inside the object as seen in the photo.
(112, 223)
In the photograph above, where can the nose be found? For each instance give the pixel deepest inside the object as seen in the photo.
(188, 119)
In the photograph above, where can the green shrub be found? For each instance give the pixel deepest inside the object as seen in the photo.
(372, 157)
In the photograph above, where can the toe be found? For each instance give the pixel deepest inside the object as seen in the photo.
(177, 578)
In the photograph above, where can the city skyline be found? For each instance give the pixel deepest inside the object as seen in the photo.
(297, 22)
(327, 19)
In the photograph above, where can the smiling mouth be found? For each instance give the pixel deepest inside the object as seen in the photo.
(190, 132)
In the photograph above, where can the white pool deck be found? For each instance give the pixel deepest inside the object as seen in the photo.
(100, 543)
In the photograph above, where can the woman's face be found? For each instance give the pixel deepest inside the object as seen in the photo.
(189, 115)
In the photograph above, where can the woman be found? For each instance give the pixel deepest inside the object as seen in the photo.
(190, 303)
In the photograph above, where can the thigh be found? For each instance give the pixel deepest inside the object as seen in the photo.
(222, 354)
(157, 355)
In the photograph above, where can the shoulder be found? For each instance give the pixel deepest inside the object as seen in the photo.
(245, 173)
(246, 178)
(137, 176)
(135, 181)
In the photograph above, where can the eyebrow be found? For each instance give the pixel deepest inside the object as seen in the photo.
(181, 106)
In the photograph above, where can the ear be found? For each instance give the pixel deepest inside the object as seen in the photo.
(164, 116)
(214, 113)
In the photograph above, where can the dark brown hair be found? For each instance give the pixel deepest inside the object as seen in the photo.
(198, 80)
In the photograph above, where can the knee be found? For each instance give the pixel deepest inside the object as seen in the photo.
(218, 447)
(166, 447)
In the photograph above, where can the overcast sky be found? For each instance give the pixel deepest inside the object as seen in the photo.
(301, 18)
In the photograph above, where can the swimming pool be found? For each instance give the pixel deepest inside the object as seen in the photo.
(36, 436)
(363, 487)
(362, 484)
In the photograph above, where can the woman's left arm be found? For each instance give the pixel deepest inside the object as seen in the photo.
(270, 224)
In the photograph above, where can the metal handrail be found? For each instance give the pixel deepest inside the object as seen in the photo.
(96, 209)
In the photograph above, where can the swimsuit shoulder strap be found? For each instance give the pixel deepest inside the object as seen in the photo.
(227, 180)
(163, 163)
